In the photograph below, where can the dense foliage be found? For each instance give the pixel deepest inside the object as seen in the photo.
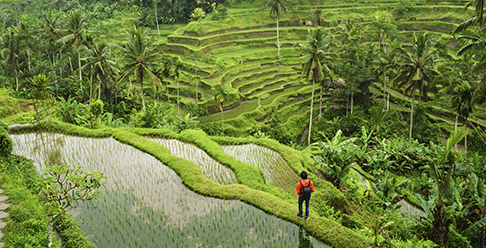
(388, 99)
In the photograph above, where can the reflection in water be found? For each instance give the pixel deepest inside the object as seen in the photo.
(145, 203)
(275, 169)
(304, 239)
(211, 168)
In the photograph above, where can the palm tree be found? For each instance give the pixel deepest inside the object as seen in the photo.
(463, 103)
(313, 55)
(51, 22)
(477, 19)
(328, 66)
(385, 64)
(177, 74)
(416, 69)
(140, 57)
(11, 53)
(219, 95)
(442, 172)
(351, 53)
(75, 33)
(100, 67)
(277, 7)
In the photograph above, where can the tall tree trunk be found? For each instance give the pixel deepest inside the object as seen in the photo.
(465, 137)
(311, 108)
(99, 88)
(320, 106)
(90, 90)
(222, 117)
(16, 82)
(440, 226)
(141, 88)
(411, 115)
(197, 104)
(352, 97)
(156, 19)
(28, 60)
(71, 64)
(79, 66)
(178, 100)
(3, 77)
(384, 86)
(455, 129)
(388, 96)
(278, 41)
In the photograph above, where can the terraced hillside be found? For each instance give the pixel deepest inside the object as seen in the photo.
(239, 55)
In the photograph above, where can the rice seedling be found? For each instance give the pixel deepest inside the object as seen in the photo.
(145, 203)
(211, 168)
(275, 169)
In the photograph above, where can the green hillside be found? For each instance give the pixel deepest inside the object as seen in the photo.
(382, 102)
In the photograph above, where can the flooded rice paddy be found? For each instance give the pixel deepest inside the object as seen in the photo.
(211, 168)
(145, 203)
(275, 169)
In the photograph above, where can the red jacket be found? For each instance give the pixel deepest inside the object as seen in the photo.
(305, 182)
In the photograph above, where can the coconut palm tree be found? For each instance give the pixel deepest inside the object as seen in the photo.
(219, 95)
(313, 55)
(416, 68)
(463, 103)
(351, 51)
(11, 53)
(385, 64)
(140, 57)
(478, 18)
(74, 33)
(51, 23)
(100, 67)
(276, 9)
(177, 74)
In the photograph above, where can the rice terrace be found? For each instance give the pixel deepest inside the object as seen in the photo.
(233, 123)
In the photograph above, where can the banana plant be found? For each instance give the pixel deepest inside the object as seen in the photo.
(337, 157)
(442, 171)
(388, 190)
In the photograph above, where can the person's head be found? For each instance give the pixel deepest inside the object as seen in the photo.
(303, 174)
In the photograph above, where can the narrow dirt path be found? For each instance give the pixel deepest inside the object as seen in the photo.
(3, 214)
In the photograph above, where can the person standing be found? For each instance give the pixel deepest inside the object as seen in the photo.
(305, 188)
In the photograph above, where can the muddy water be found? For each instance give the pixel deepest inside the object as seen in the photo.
(145, 203)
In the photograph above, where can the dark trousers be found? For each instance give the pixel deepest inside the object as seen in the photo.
(301, 200)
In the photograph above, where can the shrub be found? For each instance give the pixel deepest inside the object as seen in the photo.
(8, 104)
(6, 144)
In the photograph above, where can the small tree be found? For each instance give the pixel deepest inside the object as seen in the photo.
(39, 90)
(219, 95)
(198, 14)
(66, 185)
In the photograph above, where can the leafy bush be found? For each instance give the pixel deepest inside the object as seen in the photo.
(336, 158)
(8, 104)
(423, 130)
(6, 144)
(399, 155)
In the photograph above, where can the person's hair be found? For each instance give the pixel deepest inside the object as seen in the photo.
(303, 174)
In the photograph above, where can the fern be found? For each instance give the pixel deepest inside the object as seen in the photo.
(474, 229)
